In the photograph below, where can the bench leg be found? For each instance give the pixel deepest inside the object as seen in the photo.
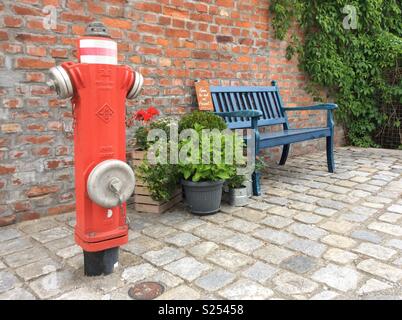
(330, 154)
(285, 153)
(256, 184)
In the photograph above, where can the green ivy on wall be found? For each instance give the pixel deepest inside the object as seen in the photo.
(353, 48)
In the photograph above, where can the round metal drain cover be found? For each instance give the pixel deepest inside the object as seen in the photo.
(146, 291)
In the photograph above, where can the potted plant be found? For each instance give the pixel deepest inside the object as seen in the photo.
(202, 184)
(238, 195)
(157, 186)
(203, 181)
(162, 179)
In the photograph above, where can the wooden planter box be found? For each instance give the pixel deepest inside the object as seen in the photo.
(135, 157)
(142, 199)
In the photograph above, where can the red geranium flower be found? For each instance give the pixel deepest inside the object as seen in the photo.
(139, 115)
(144, 116)
(153, 111)
(147, 117)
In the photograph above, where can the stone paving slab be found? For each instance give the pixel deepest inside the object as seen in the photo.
(311, 235)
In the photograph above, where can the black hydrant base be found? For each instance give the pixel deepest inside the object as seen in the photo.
(100, 262)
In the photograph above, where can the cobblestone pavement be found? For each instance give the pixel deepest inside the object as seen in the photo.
(312, 235)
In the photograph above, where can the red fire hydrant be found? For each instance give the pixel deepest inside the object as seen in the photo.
(99, 87)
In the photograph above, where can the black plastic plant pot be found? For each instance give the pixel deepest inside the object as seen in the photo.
(203, 198)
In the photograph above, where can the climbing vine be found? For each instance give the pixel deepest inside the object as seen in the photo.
(353, 49)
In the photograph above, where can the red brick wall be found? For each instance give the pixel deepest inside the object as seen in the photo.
(172, 42)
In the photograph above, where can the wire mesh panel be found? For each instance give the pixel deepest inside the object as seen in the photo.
(390, 135)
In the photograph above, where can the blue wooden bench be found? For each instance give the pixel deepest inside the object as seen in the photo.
(257, 107)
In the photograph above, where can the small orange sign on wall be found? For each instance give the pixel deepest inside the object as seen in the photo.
(203, 96)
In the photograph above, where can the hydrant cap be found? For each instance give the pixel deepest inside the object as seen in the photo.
(97, 29)
(61, 82)
(110, 183)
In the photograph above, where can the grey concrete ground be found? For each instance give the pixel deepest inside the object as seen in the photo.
(312, 235)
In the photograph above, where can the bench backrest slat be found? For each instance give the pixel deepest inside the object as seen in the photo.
(265, 99)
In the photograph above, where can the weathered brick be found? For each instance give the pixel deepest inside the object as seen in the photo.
(40, 152)
(36, 51)
(35, 38)
(149, 7)
(177, 33)
(73, 17)
(3, 35)
(10, 127)
(4, 142)
(12, 22)
(224, 39)
(26, 11)
(11, 48)
(61, 209)
(35, 24)
(175, 12)
(22, 206)
(34, 63)
(7, 169)
(36, 127)
(28, 215)
(37, 191)
(7, 220)
(35, 77)
(117, 23)
(149, 29)
(38, 139)
(203, 36)
(59, 53)
(12, 103)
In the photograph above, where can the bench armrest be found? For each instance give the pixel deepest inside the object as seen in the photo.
(325, 106)
(243, 114)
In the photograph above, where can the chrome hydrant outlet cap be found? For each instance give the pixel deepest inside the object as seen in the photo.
(111, 183)
(137, 85)
(61, 82)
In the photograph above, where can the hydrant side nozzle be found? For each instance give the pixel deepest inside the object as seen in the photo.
(110, 192)
(61, 82)
(137, 86)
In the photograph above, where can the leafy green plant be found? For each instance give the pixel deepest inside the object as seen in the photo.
(360, 68)
(144, 118)
(236, 181)
(162, 179)
(140, 136)
(163, 124)
(260, 164)
(196, 169)
(205, 119)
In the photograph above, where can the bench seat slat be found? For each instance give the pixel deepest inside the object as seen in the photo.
(292, 133)
(247, 124)
(273, 139)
